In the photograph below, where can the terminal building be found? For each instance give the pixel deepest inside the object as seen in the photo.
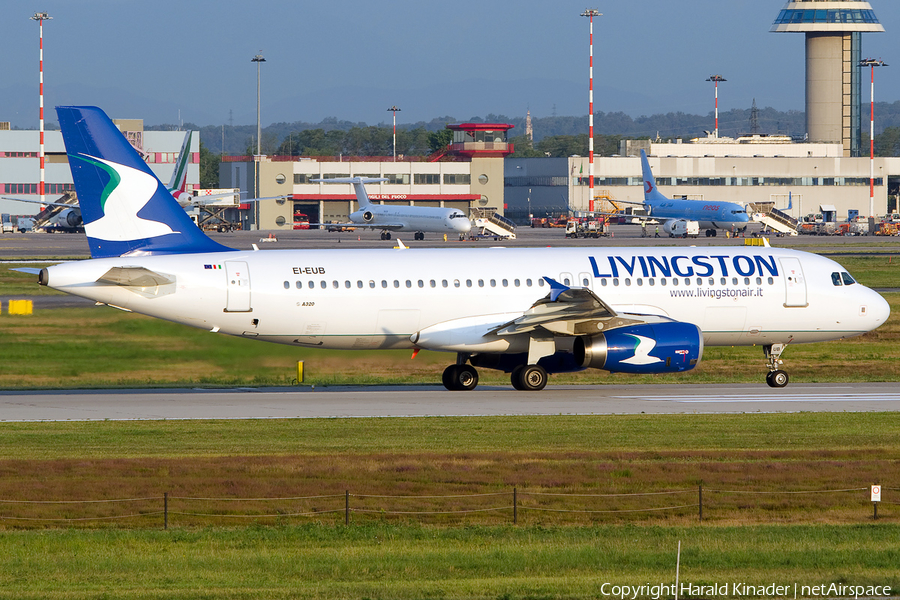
(468, 175)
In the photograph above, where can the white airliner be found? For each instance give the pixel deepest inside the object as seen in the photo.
(388, 218)
(528, 312)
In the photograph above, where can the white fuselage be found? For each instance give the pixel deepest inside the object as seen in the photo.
(412, 218)
(358, 299)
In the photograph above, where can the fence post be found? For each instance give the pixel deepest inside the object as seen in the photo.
(701, 501)
(165, 510)
(346, 507)
(515, 507)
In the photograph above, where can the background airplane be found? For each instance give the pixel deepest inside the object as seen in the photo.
(525, 311)
(388, 218)
(674, 214)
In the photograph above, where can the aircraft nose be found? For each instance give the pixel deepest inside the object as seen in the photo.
(877, 309)
(462, 225)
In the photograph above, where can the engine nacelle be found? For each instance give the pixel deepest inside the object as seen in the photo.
(368, 216)
(675, 226)
(70, 217)
(650, 348)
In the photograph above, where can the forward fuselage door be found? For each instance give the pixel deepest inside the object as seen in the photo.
(794, 282)
(238, 286)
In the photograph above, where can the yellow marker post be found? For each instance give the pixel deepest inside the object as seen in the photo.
(299, 372)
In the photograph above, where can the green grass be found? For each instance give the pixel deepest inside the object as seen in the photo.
(379, 561)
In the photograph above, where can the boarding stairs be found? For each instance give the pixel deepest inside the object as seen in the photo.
(774, 219)
(51, 210)
(493, 225)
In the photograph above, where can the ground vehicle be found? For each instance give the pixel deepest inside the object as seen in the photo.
(584, 229)
(24, 224)
(301, 221)
(7, 226)
(683, 228)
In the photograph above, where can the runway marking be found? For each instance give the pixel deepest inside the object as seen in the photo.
(762, 398)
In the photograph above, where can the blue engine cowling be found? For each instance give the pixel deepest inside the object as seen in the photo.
(650, 348)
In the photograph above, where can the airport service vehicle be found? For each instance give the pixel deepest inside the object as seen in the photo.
(675, 213)
(417, 219)
(529, 312)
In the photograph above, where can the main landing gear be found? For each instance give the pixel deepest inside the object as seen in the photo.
(420, 235)
(464, 377)
(776, 378)
(385, 235)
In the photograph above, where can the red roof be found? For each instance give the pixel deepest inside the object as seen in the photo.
(479, 126)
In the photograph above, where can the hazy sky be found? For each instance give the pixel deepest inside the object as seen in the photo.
(353, 59)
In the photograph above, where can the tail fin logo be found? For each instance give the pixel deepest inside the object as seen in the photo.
(126, 194)
(648, 189)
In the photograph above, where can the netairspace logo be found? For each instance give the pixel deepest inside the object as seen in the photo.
(736, 589)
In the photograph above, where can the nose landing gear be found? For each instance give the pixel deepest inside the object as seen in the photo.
(776, 377)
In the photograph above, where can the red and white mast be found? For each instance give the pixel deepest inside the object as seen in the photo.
(717, 79)
(591, 13)
(871, 62)
(40, 18)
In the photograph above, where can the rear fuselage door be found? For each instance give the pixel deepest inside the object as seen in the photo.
(238, 286)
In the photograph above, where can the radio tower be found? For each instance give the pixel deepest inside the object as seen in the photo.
(591, 13)
(40, 18)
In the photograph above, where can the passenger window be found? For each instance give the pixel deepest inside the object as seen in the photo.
(372, 284)
(652, 281)
(541, 282)
(616, 282)
(444, 283)
(746, 281)
(566, 281)
(493, 283)
(323, 284)
(759, 281)
(505, 283)
(287, 285)
(734, 281)
(384, 283)
(771, 281)
(347, 284)
(603, 282)
(516, 282)
(640, 281)
(468, 283)
(848, 279)
(456, 283)
(421, 283)
(528, 282)
(585, 282)
(396, 283)
(359, 283)
(408, 283)
(674, 281)
(312, 285)
(433, 283)
(481, 283)
(299, 285)
(627, 281)
(724, 281)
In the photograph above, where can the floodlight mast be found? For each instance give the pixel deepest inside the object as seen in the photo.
(591, 13)
(717, 79)
(395, 110)
(257, 59)
(872, 63)
(40, 17)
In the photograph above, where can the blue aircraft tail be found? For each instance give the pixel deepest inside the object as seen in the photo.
(651, 193)
(125, 208)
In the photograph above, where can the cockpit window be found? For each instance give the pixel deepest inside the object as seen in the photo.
(836, 278)
(848, 279)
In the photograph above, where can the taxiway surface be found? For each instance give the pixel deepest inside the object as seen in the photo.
(408, 401)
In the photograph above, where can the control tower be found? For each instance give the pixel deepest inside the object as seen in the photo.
(833, 31)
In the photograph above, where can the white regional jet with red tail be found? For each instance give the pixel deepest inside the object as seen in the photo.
(529, 312)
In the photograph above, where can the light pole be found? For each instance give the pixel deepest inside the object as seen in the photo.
(591, 13)
(40, 18)
(395, 110)
(872, 63)
(717, 79)
(257, 59)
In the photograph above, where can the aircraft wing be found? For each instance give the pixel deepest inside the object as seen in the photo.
(45, 203)
(569, 311)
(387, 226)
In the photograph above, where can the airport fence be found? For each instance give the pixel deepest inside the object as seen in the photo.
(514, 506)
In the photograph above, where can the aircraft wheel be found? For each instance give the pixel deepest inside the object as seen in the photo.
(448, 378)
(387, 235)
(466, 378)
(516, 377)
(777, 379)
(532, 378)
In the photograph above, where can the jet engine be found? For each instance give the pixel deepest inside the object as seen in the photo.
(667, 347)
(368, 216)
(675, 226)
(69, 217)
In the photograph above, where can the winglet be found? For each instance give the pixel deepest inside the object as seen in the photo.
(556, 288)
